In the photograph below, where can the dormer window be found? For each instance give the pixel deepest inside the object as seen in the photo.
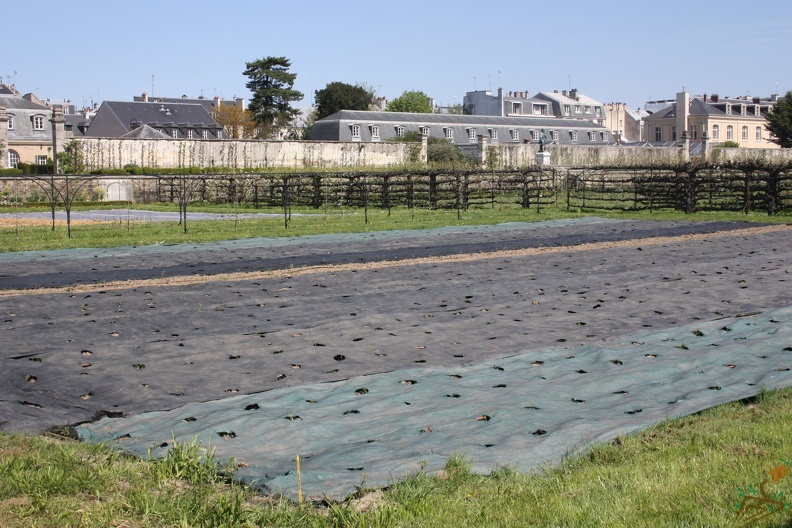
(577, 109)
(517, 108)
(605, 137)
(567, 109)
(375, 135)
(592, 136)
(205, 133)
(515, 134)
(573, 135)
(38, 122)
(424, 130)
(399, 130)
(355, 129)
(10, 123)
(534, 135)
(471, 132)
(493, 133)
(554, 135)
(728, 108)
(449, 133)
(174, 133)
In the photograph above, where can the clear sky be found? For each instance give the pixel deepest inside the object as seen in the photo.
(625, 51)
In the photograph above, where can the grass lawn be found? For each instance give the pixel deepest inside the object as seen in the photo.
(685, 472)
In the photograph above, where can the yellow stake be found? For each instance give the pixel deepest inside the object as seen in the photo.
(299, 482)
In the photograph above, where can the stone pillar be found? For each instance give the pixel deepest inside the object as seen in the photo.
(58, 134)
(424, 149)
(682, 111)
(3, 137)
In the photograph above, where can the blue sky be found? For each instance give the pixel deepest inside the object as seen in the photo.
(95, 50)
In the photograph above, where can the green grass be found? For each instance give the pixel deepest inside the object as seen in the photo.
(684, 472)
(137, 233)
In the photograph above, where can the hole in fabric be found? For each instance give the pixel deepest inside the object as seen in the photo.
(454, 395)
(539, 432)
(578, 401)
(408, 382)
(532, 407)
(488, 445)
(537, 363)
(280, 377)
(277, 351)
(190, 419)
(427, 429)
(782, 369)
(319, 344)
(672, 402)
(339, 357)
(730, 365)
(87, 396)
(455, 376)
(295, 366)
(232, 391)
(362, 390)
(500, 386)
(332, 371)
(459, 355)
(420, 361)
(137, 366)
(496, 367)
(352, 411)
(483, 418)
(650, 356)
(292, 417)
(355, 469)
(86, 365)
(635, 411)
(714, 387)
(358, 339)
(616, 362)
(581, 371)
(226, 435)
(252, 407)
(30, 404)
(86, 352)
(620, 392)
(233, 356)
(30, 378)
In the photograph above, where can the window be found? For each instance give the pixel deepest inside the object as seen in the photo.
(554, 135)
(567, 109)
(673, 133)
(10, 123)
(745, 133)
(715, 132)
(449, 133)
(728, 108)
(693, 132)
(158, 129)
(758, 134)
(588, 109)
(13, 159)
(355, 129)
(598, 110)
(540, 109)
(517, 108)
(515, 134)
(605, 137)
(757, 110)
(743, 109)
(38, 123)
(399, 130)
(424, 130)
(658, 134)
(573, 135)
(729, 133)
(189, 133)
(205, 133)
(577, 109)
(493, 133)
(174, 133)
(374, 133)
(591, 136)
(534, 135)
(41, 160)
(471, 132)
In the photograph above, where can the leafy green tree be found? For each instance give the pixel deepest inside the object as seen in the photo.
(338, 96)
(411, 101)
(779, 121)
(272, 86)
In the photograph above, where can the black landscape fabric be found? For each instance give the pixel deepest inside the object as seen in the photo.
(72, 357)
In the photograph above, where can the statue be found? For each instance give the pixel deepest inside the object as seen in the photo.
(542, 141)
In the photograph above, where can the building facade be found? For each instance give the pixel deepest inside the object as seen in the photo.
(25, 130)
(175, 120)
(360, 126)
(740, 120)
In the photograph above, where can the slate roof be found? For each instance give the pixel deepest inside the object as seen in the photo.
(16, 102)
(145, 132)
(460, 120)
(160, 113)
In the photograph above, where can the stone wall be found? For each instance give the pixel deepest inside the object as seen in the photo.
(101, 153)
(725, 155)
(523, 155)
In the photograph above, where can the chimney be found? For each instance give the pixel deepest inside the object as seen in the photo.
(705, 98)
(217, 101)
(715, 98)
(574, 94)
(87, 111)
(145, 97)
(756, 100)
(500, 93)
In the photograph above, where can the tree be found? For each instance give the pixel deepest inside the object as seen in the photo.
(338, 96)
(272, 86)
(238, 123)
(411, 101)
(779, 121)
